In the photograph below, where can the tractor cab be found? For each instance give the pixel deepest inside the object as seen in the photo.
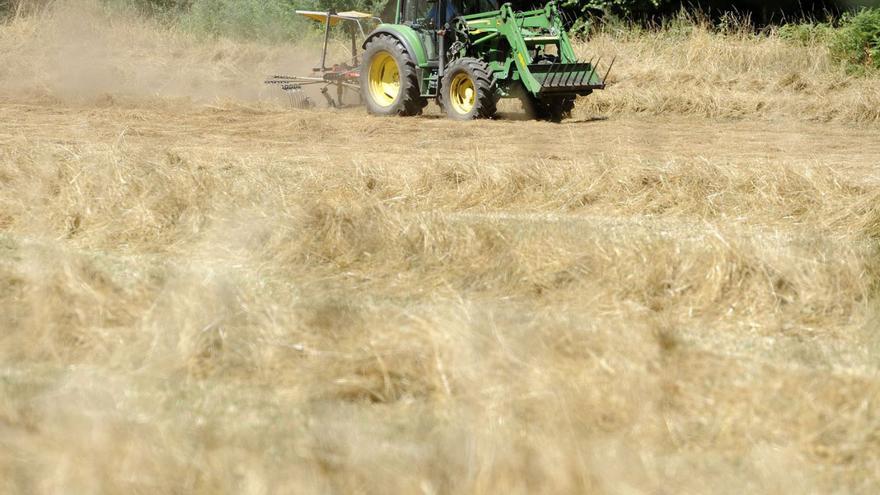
(420, 11)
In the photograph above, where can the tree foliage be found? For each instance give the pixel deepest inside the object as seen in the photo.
(617, 8)
(857, 41)
(854, 39)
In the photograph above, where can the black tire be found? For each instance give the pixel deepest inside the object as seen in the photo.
(408, 100)
(552, 109)
(485, 94)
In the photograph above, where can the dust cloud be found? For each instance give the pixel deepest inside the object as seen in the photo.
(77, 51)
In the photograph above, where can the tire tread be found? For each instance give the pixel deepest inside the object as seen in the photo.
(411, 102)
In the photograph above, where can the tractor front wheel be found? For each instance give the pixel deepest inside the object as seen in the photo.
(389, 81)
(553, 109)
(468, 90)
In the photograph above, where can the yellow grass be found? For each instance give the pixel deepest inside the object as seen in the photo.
(694, 71)
(204, 292)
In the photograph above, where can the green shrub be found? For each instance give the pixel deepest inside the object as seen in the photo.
(272, 20)
(857, 40)
(9, 8)
(267, 20)
(157, 7)
(609, 10)
(807, 33)
(618, 8)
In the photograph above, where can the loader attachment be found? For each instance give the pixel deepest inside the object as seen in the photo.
(533, 49)
(575, 78)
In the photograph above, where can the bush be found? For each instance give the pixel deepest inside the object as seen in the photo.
(9, 8)
(156, 7)
(857, 41)
(582, 11)
(807, 33)
(618, 8)
(854, 40)
(272, 20)
(268, 20)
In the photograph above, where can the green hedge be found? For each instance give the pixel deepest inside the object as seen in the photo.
(857, 41)
(271, 20)
(854, 39)
(267, 20)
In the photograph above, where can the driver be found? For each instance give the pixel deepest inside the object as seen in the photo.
(451, 12)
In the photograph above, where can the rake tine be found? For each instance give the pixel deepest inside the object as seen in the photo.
(593, 72)
(591, 67)
(609, 69)
(580, 81)
(575, 72)
(570, 74)
(550, 73)
(584, 75)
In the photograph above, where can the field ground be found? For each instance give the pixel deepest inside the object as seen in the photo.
(202, 291)
(242, 298)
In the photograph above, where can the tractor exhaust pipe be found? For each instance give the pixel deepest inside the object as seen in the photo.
(442, 21)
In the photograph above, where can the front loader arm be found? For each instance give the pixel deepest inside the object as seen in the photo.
(561, 75)
(511, 28)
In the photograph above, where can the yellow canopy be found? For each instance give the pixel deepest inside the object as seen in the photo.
(321, 17)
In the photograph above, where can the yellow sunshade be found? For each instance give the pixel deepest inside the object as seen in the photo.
(321, 17)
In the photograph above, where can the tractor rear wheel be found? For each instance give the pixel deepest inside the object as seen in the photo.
(468, 90)
(389, 80)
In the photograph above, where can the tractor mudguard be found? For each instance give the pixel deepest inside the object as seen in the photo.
(407, 36)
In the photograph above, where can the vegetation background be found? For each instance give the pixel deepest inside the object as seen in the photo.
(849, 28)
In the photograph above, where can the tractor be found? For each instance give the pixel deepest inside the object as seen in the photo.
(467, 54)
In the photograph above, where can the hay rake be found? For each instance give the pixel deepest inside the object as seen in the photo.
(333, 80)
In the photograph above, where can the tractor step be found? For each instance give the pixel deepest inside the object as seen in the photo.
(575, 78)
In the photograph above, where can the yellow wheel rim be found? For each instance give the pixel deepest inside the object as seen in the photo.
(462, 93)
(384, 79)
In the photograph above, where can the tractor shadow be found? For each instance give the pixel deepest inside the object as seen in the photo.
(526, 117)
(512, 112)
(587, 120)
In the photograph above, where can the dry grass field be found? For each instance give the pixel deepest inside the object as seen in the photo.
(202, 291)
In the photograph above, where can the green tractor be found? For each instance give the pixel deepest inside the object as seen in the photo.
(467, 54)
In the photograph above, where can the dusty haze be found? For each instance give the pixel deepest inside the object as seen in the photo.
(80, 52)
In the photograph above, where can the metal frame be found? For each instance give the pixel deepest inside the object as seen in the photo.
(341, 76)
